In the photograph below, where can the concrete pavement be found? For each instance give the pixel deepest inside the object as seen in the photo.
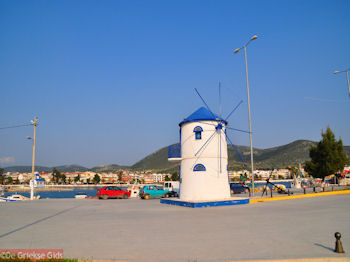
(140, 230)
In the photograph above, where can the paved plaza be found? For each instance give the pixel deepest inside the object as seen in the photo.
(140, 230)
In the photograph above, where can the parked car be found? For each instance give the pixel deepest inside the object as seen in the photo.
(237, 188)
(155, 191)
(112, 192)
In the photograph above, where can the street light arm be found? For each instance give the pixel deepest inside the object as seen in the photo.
(251, 39)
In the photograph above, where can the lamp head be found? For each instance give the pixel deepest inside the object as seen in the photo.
(254, 37)
(336, 72)
(236, 50)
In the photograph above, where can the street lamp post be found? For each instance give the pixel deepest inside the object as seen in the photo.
(34, 123)
(347, 77)
(250, 121)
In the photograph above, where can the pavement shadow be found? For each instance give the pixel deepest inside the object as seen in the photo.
(320, 245)
(38, 221)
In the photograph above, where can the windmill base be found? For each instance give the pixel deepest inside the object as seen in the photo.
(205, 203)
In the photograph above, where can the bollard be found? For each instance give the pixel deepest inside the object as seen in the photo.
(314, 189)
(323, 189)
(332, 188)
(288, 193)
(304, 190)
(338, 244)
(271, 192)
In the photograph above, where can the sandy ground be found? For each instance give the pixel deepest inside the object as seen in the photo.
(141, 230)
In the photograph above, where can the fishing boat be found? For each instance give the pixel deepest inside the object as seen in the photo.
(80, 195)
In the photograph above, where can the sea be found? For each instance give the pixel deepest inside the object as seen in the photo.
(89, 191)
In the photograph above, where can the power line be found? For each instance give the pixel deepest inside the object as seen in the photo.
(7, 127)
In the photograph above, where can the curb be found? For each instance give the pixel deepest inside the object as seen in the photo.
(300, 196)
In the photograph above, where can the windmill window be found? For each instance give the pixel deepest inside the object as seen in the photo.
(199, 167)
(198, 132)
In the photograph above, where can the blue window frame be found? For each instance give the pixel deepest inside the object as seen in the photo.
(199, 167)
(198, 132)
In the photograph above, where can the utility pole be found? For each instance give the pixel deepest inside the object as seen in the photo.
(34, 123)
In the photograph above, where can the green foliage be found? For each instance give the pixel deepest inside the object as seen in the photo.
(56, 175)
(243, 177)
(9, 180)
(88, 180)
(167, 178)
(97, 179)
(63, 178)
(327, 157)
(294, 171)
(1, 176)
(175, 176)
(156, 160)
(77, 178)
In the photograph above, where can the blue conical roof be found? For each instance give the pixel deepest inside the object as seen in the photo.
(202, 114)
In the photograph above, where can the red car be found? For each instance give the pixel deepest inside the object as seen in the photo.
(112, 192)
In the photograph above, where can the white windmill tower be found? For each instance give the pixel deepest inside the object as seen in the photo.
(204, 158)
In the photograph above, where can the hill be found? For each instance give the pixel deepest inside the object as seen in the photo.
(26, 169)
(71, 168)
(276, 157)
(156, 160)
(107, 168)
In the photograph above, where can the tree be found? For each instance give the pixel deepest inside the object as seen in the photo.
(63, 177)
(175, 176)
(167, 178)
(9, 180)
(327, 157)
(97, 179)
(77, 178)
(56, 175)
(294, 171)
(2, 176)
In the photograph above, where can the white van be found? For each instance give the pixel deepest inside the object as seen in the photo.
(172, 186)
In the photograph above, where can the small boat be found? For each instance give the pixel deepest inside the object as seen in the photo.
(80, 195)
(5, 199)
(16, 197)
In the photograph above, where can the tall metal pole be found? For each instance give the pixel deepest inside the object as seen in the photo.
(347, 77)
(250, 121)
(33, 160)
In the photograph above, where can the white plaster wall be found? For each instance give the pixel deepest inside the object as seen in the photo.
(212, 183)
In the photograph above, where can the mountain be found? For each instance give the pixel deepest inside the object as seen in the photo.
(64, 168)
(107, 168)
(26, 169)
(71, 168)
(156, 160)
(276, 157)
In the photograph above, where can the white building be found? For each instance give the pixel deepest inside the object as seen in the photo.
(204, 169)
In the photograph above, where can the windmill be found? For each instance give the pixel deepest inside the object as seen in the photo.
(204, 158)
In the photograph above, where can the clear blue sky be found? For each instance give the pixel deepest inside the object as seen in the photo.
(111, 80)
